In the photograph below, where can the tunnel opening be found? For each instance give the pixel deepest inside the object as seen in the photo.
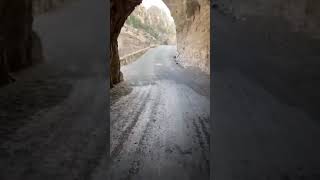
(150, 25)
(192, 21)
(162, 108)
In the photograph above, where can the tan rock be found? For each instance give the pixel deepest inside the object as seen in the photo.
(192, 20)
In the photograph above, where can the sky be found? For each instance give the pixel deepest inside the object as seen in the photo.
(158, 3)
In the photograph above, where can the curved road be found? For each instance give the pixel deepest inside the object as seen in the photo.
(54, 117)
(160, 127)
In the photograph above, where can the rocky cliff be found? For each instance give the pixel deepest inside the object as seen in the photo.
(20, 46)
(145, 27)
(132, 39)
(120, 10)
(152, 21)
(192, 18)
(165, 27)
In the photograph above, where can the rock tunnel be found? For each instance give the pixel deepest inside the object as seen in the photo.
(192, 20)
(20, 46)
(267, 48)
(16, 37)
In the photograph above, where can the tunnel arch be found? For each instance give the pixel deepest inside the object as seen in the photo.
(186, 14)
(148, 26)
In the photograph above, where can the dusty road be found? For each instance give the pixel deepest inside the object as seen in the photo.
(160, 128)
(53, 119)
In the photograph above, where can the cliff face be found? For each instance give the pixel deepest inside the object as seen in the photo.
(132, 39)
(301, 15)
(153, 21)
(20, 46)
(192, 20)
(120, 10)
(158, 20)
(145, 27)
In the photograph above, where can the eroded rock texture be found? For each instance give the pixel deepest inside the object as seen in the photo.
(120, 10)
(192, 18)
(146, 27)
(19, 45)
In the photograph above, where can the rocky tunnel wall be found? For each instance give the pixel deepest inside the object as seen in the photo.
(20, 46)
(16, 37)
(192, 19)
(120, 10)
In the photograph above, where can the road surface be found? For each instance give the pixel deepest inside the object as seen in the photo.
(265, 117)
(54, 117)
(160, 127)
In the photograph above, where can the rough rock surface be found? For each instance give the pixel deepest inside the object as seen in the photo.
(20, 46)
(192, 20)
(120, 10)
(146, 27)
(132, 39)
(153, 21)
(18, 43)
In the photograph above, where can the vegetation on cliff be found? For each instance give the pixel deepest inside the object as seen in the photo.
(153, 21)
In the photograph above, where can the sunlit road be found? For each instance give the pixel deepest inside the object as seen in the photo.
(160, 128)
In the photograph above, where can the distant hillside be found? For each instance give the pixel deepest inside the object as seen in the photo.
(153, 21)
(145, 27)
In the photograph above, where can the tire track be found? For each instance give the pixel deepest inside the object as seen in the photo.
(125, 135)
(133, 98)
(204, 129)
(199, 125)
(137, 164)
(121, 116)
(204, 149)
(203, 137)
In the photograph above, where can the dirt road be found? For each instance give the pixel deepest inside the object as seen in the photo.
(160, 128)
